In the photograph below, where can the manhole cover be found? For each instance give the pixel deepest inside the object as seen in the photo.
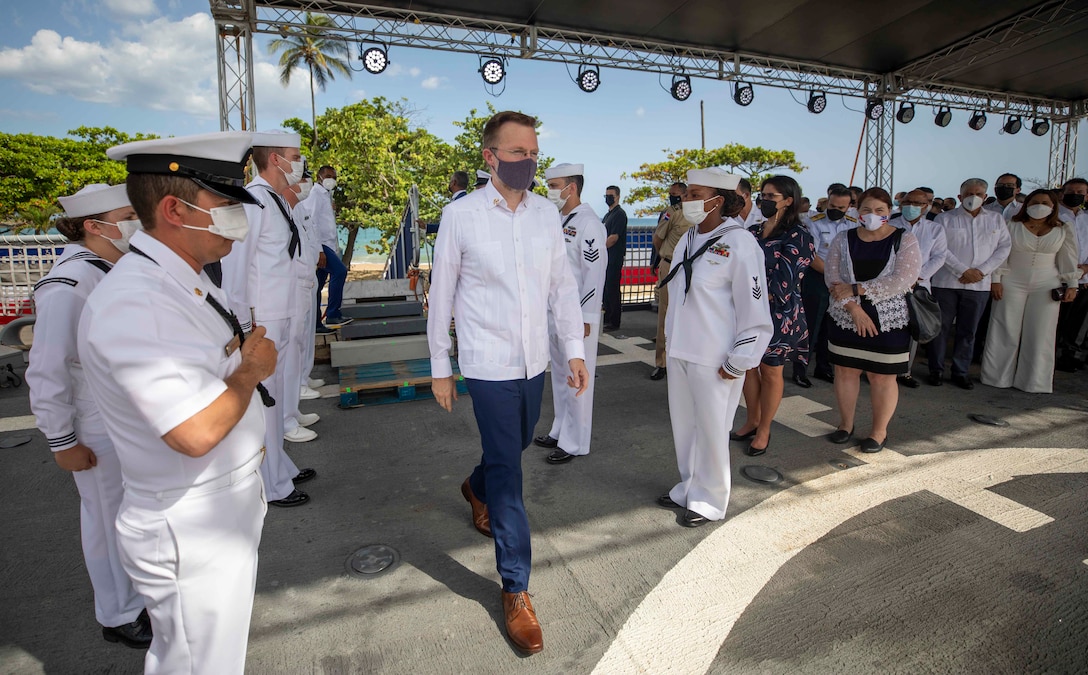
(373, 560)
(987, 419)
(13, 442)
(761, 474)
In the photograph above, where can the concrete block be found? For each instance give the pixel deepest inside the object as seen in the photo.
(376, 310)
(398, 325)
(376, 350)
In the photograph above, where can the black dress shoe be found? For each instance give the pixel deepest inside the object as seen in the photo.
(658, 374)
(296, 498)
(907, 381)
(963, 382)
(136, 635)
(303, 476)
(869, 445)
(741, 437)
(801, 381)
(935, 380)
(546, 441)
(560, 456)
(666, 501)
(692, 519)
(840, 436)
(609, 327)
(825, 376)
(753, 451)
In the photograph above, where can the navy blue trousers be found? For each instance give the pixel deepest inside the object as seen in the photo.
(506, 414)
(965, 308)
(336, 274)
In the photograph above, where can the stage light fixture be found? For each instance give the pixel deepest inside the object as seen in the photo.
(743, 94)
(375, 60)
(943, 117)
(1013, 125)
(681, 87)
(874, 109)
(977, 121)
(906, 112)
(1040, 127)
(493, 70)
(817, 102)
(589, 78)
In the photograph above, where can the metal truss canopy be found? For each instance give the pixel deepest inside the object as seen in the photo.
(1019, 57)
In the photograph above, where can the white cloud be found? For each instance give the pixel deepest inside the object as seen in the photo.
(433, 82)
(396, 70)
(276, 103)
(545, 132)
(131, 8)
(640, 112)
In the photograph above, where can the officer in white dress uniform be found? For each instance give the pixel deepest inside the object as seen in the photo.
(98, 223)
(718, 327)
(177, 384)
(260, 279)
(302, 201)
(583, 235)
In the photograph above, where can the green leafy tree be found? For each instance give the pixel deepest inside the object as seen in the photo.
(312, 46)
(654, 179)
(36, 170)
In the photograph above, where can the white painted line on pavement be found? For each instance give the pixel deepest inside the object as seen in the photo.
(987, 504)
(20, 423)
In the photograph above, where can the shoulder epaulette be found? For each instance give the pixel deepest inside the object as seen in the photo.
(852, 219)
(818, 216)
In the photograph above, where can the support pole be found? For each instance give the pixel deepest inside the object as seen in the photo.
(234, 22)
(1063, 152)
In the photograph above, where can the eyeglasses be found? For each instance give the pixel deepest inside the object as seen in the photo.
(520, 153)
(771, 196)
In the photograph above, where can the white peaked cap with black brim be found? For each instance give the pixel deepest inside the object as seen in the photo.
(276, 138)
(564, 171)
(215, 161)
(94, 199)
(482, 175)
(713, 178)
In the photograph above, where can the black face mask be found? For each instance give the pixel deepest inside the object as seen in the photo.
(675, 201)
(835, 214)
(768, 208)
(1072, 200)
(1004, 193)
(609, 199)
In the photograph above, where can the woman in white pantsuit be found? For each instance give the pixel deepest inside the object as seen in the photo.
(1024, 319)
(717, 328)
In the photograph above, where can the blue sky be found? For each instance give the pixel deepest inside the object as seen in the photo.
(149, 66)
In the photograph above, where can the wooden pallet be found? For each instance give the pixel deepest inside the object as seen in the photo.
(390, 382)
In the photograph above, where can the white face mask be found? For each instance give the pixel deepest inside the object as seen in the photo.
(873, 222)
(695, 212)
(1039, 211)
(556, 197)
(972, 202)
(304, 189)
(329, 184)
(297, 169)
(127, 228)
(229, 222)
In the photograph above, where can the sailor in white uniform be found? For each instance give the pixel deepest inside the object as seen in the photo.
(583, 235)
(717, 327)
(296, 423)
(178, 386)
(98, 223)
(259, 279)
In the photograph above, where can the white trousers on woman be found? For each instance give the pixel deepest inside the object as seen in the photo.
(701, 407)
(1023, 329)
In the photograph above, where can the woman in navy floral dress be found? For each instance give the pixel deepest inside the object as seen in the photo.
(788, 248)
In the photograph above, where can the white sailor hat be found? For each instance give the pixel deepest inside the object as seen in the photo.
(714, 177)
(215, 161)
(94, 199)
(482, 175)
(276, 138)
(564, 171)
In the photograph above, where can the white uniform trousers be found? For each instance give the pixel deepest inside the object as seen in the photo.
(573, 424)
(1023, 328)
(194, 561)
(116, 602)
(701, 407)
(278, 469)
(302, 349)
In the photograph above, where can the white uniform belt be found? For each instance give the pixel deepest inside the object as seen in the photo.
(226, 480)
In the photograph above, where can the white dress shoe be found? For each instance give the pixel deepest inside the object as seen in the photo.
(314, 384)
(308, 419)
(300, 435)
(307, 394)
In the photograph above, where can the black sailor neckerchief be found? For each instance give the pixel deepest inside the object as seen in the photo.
(690, 258)
(232, 322)
(294, 246)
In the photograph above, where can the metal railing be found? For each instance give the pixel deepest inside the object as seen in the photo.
(24, 259)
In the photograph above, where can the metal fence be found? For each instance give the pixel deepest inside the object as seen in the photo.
(638, 279)
(24, 259)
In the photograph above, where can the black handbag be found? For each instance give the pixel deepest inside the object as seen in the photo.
(925, 315)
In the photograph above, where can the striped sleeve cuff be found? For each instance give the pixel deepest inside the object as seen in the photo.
(58, 443)
(732, 371)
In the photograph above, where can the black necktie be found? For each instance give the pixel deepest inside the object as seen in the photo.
(687, 262)
(294, 246)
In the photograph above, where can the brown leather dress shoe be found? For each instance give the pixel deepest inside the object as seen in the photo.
(480, 518)
(521, 624)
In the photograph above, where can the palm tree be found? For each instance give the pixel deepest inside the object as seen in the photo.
(320, 54)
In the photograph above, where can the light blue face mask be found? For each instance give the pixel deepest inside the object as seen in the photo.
(912, 212)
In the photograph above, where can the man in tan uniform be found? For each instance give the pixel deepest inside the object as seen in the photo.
(671, 225)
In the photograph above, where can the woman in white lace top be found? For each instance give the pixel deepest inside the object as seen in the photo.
(869, 271)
